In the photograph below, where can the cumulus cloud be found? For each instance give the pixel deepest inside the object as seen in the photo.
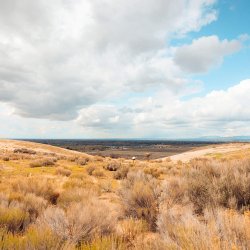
(204, 53)
(60, 56)
(109, 66)
(224, 111)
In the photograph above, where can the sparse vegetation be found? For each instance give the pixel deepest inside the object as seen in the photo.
(90, 169)
(63, 171)
(24, 151)
(112, 166)
(115, 204)
(140, 195)
(82, 161)
(45, 162)
(121, 173)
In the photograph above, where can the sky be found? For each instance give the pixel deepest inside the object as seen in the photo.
(157, 69)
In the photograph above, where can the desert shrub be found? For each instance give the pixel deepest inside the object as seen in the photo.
(105, 243)
(43, 187)
(63, 171)
(139, 194)
(81, 221)
(82, 161)
(69, 196)
(180, 229)
(9, 241)
(154, 171)
(35, 238)
(216, 183)
(31, 204)
(98, 173)
(34, 205)
(222, 229)
(36, 164)
(43, 162)
(130, 228)
(72, 183)
(99, 158)
(11, 200)
(199, 190)
(13, 219)
(174, 192)
(106, 186)
(72, 158)
(90, 169)
(150, 242)
(231, 227)
(24, 151)
(233, 190)
(80, 176)
(5, 158)
(112, 166)
(48, 162)
(38, 238)
(4, 201)
(121, 173)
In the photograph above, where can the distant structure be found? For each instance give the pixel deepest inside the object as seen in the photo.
(133, 158)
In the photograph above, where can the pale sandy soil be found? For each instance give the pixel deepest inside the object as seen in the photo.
(10, 145)
(218, 149)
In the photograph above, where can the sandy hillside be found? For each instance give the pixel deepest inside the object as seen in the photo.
(11, 145)
(208, 151)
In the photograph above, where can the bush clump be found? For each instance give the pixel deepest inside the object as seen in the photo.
(24, 151)
(13, 219)
(121, 173)
(140, 196)
(219, 184)
(63, 171)
(44, 187)
(112, 166)
(80, 221)
(82, 161)
(46, 162)
(6, 158)
(90, 169)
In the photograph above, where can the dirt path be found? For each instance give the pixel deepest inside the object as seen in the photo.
(225, 148)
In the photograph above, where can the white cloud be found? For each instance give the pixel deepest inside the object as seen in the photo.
(222, 112)
(60, 56)
(67, 60)
(204, 53)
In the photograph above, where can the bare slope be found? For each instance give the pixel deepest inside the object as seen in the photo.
(209, 151)
(11, 145)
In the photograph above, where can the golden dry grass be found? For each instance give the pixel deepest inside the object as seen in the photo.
(85, 202)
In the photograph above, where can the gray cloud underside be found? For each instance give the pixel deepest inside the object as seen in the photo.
(65, 59)
(59, 56)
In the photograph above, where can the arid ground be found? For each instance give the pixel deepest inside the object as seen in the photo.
(141, 149)
(54, 198)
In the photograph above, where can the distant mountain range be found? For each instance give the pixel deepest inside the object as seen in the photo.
(223, 139)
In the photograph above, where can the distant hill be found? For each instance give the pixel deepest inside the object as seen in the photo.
(223, 139)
